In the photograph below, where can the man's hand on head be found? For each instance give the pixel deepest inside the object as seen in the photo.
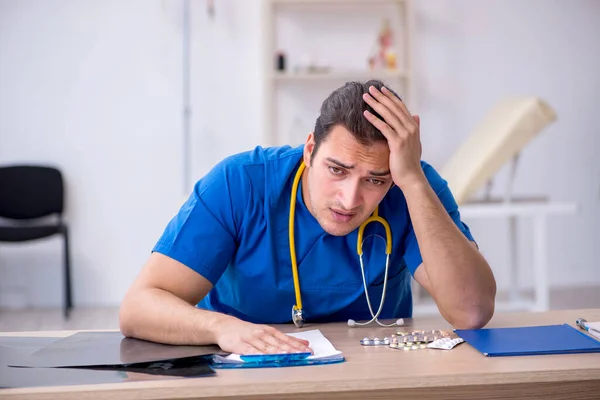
(402, 131)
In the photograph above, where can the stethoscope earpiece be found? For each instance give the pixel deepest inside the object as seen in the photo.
(352, 323)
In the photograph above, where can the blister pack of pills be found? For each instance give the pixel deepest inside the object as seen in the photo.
(375, 341)
(412, 340)
(446, 343)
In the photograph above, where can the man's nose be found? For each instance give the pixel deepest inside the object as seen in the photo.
(349, 194)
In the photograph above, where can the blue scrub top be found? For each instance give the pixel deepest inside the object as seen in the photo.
(233, 230)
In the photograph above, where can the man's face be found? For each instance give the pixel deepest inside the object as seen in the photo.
(346, 180)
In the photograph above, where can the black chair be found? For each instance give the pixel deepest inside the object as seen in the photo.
(28, 193)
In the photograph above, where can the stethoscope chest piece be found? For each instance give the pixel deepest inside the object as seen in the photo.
(298, 317)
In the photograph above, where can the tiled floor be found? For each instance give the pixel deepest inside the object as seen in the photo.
(107, 318)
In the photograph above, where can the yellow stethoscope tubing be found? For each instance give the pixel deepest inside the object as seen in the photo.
(388, 232)
(298, 305)
(373, 218)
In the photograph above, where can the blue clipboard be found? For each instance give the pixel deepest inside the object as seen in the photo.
(273, 360)
(530, 340)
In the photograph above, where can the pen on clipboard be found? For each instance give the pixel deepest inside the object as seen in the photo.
(582, 323)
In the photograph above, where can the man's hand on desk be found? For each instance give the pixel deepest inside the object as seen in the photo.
(237, 336)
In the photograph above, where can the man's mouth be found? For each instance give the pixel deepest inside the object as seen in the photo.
(341, 216)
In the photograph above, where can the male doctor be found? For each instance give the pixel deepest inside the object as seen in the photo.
(222, 269)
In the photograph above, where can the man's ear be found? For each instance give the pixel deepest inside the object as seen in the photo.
(309, 147)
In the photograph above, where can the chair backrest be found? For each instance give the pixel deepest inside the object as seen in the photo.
(28, 191)
(509, 126)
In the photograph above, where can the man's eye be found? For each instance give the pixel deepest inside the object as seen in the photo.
(376, 182)
(336, 170)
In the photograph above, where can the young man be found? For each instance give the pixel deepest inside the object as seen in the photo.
(224, 265)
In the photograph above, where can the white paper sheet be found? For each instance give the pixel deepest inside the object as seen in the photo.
(594, 329)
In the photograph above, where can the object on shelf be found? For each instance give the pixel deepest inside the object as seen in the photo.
(317, 69)
(280, 61)
(383, 55)
(309, 66)
(210, 8)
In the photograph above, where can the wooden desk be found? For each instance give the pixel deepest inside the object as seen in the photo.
(376, 372)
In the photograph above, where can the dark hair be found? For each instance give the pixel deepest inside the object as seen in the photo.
(345, 106)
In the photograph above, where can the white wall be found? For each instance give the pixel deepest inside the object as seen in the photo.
(471, 54)
(226, 81)
(95, 87)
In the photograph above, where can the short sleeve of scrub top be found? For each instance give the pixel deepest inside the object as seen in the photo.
(203, 234)
(412, 255)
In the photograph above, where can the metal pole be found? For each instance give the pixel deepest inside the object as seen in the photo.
(187, 107)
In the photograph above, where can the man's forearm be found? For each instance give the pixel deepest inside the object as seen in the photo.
(460, 279)
(157, 315)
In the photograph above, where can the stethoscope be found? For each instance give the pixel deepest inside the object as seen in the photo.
(297, 311)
